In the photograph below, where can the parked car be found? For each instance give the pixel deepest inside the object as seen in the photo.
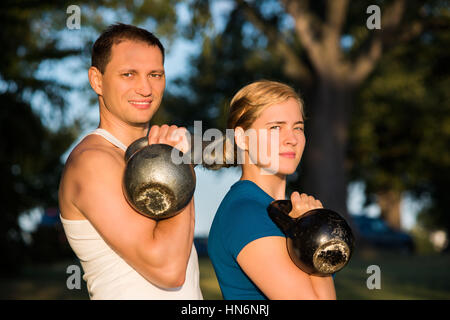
(376, 233)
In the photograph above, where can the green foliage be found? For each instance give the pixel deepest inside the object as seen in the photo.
(228, 61)
(30, 162)
(29, 152)
(399, 132)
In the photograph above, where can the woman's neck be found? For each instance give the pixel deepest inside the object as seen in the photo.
(273, 184)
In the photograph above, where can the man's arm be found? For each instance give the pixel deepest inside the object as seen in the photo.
(159, 251)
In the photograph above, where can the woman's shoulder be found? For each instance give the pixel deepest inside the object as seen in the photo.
(243, 206)
(245, 196)
(247, 208)
(242, 217)
(248, 190)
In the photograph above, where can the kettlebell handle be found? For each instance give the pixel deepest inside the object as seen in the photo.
(135, 147)
(278, 211)
(194, 154)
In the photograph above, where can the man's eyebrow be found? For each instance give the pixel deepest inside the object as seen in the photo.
(130, 70)
(127, 70)
(283, 122)
(157, 70)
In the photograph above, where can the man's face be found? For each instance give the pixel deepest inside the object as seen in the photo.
(133, 82)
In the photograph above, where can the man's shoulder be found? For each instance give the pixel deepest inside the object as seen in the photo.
(92, 155)
(88, 166)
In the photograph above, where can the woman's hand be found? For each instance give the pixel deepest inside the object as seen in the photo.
(302, 203)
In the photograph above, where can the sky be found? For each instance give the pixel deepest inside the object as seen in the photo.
(211, 185)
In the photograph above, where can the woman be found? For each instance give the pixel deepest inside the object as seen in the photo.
(247, 249)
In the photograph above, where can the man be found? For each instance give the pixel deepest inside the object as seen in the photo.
(125, 255)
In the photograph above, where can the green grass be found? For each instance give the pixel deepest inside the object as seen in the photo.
(42, 282)
(208, 281)
(402, 277)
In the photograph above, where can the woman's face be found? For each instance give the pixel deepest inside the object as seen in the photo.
(280, 138)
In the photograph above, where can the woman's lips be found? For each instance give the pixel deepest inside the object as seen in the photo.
(290, 155)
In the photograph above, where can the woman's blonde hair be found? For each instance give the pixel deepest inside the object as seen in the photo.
(246, 106)
(249, 102)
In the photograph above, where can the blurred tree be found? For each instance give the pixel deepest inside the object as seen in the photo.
(400, 132)
(29, 152)
(322, 47)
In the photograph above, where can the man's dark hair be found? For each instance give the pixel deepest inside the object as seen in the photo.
(116, 33)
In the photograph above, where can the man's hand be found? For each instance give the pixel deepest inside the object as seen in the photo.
(173, 136)
(302, 203)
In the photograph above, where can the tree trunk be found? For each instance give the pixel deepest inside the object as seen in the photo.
(390, 202)
(324, 169)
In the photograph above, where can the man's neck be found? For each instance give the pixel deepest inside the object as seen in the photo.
(126, 133)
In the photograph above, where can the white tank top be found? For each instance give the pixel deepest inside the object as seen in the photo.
(108, 276)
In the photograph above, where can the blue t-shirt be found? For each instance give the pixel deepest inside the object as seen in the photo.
(241, 218)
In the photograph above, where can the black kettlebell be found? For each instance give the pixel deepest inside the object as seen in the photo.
(320, 242)
(153, 184)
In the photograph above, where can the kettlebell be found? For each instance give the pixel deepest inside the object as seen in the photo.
(157, 186)
(153, 184)
(320, 242)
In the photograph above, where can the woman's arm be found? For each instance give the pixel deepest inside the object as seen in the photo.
(267, 263)
(324, 286)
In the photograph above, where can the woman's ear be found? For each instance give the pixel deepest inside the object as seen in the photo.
(96, 80)
(239, 138)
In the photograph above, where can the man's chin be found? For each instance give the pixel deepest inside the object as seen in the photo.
(140, 123)
(143, 118)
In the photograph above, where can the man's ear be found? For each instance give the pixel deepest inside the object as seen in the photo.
(96, 80)
(239, 138)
